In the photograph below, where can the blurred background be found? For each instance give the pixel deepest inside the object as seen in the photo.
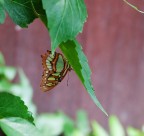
(113, 41)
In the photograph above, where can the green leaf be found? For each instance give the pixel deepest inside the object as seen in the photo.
(65, 19)
(21, 11)
(16, 126)
(8, 72)
(13, 106)
(5, 85)
(134, 132)
(83, 123)
(77, 133)
(2, 16)
(116, 128)
(24, 90)
(73, 52)
(68, 126)
(50, 124)
(2, 61)
(55, 124)
(97, 130)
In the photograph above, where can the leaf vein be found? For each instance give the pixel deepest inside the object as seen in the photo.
(22, 4)
(72, 17)
(61, 21)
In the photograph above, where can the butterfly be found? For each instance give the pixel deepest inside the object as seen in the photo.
(55, 69)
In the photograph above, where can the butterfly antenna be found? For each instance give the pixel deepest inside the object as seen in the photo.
(68, 79)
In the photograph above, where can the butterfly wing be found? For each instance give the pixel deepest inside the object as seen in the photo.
(55, 68)
(48, 82)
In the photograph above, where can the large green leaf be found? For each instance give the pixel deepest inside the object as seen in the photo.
(13, 106)
(16, 126)
(65, 19)
(116, 128)
(2, 14)
(21, 11)
(73, 52)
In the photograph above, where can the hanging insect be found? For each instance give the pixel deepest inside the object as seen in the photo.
(55, 69)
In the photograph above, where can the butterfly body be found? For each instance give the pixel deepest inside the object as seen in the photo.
(55, 69)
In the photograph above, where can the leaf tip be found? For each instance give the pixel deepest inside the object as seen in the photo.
(104, 111)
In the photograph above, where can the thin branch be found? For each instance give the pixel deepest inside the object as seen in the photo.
(134, 7)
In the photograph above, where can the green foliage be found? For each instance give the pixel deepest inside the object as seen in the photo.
(2, 61)
(16, 126)
(82, 122)
(2, 14)
(22, 89)
(116, 128)
(13, 106)
(79, 63)
(48, 122)
(21, 11)
(8, 72)
(57, 122)
(134, 132)
(16, 120)
(98, 130)
(65, 19)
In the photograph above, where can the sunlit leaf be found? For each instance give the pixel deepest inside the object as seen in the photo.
(134, 132)
(16, 126)
(54, 124)
(98, 130)
(116, 128)
(50, 124)
(8, 72)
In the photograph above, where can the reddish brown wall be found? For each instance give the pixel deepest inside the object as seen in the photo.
(113, 40)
